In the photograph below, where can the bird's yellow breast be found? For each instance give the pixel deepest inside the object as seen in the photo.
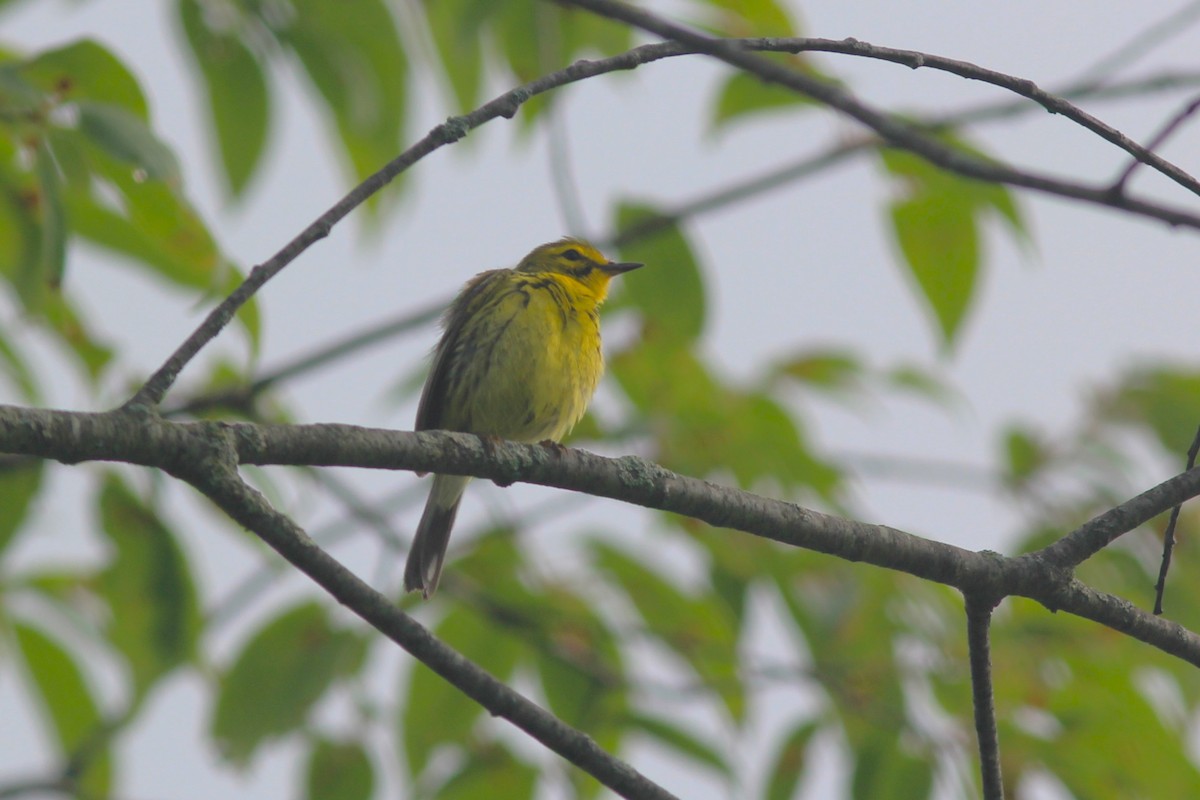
(535, 363)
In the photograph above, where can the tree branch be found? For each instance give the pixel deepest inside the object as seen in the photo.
(151, 441)
(901, 133)
(216, 477)
(1094, 535)
(979, 620)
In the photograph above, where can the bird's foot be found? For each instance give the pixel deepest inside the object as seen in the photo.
(490, 443)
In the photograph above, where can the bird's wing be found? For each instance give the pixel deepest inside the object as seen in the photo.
(431, 409)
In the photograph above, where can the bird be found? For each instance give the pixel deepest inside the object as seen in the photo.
(519, 359)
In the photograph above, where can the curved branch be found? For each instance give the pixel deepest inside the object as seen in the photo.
(899, 132)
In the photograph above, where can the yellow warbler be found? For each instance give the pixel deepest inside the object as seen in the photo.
(519, 360)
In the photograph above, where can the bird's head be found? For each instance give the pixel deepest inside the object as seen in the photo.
(576, 259)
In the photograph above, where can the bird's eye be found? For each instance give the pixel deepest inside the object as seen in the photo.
(572, 255)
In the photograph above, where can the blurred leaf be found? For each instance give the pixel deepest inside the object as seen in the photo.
(283, 670)
(753, 18)
(456, 27)
(669, 290)
(93, 355)
(682, 741)
(832, 370)
(20, 100)
(744, 95)
(530, 44)
(15, 366)
(587, 33)
(1163, 398)
(580, 665)
(86, 71)
(238, 97)
(52, 219)
(19, 486)
(790, 762)
(936, 222)
(434, 712)
(491, 772)
(883, 770)
(697, 627)
(339, 771)
(1024, 453)
(352, 54)
(126, 137)
(155, 618)
(701, 426)
(171, 248)
(923, 383)
(69, 706)
(937, 236)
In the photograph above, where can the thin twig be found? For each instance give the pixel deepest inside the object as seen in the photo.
(1155, 142)
(242, 397)
(1143, 42)
(1169, 536)
(901, 133)
(979, 620)
(1097, 533)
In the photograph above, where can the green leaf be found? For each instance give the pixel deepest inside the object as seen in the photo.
(435, 713)
(753, 18)
(284, 669)
(357, 63)
(936, 223)
(682, 741)
(491, 772)
(700, 628)
(13, 364)
(702, 425)
(69, 706)
(923, 383)
(71, 329)
(790, 762)
(1164, 398)
(885, 770)
(578, 660)
(155, 618)
(85, 71)
(126, 137)
(52, 218)
(456, 27)
(743, 95)
(669, 290)
(19, 486)
(937, 236)
(238, 98)
(339, 771)
(24, 209)
(832, 370)
(1024, 453)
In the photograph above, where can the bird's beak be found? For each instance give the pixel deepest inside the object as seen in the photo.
(618, 267)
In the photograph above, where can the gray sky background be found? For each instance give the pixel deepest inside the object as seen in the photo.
(808, 265)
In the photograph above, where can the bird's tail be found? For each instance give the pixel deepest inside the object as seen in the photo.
(424, 565)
